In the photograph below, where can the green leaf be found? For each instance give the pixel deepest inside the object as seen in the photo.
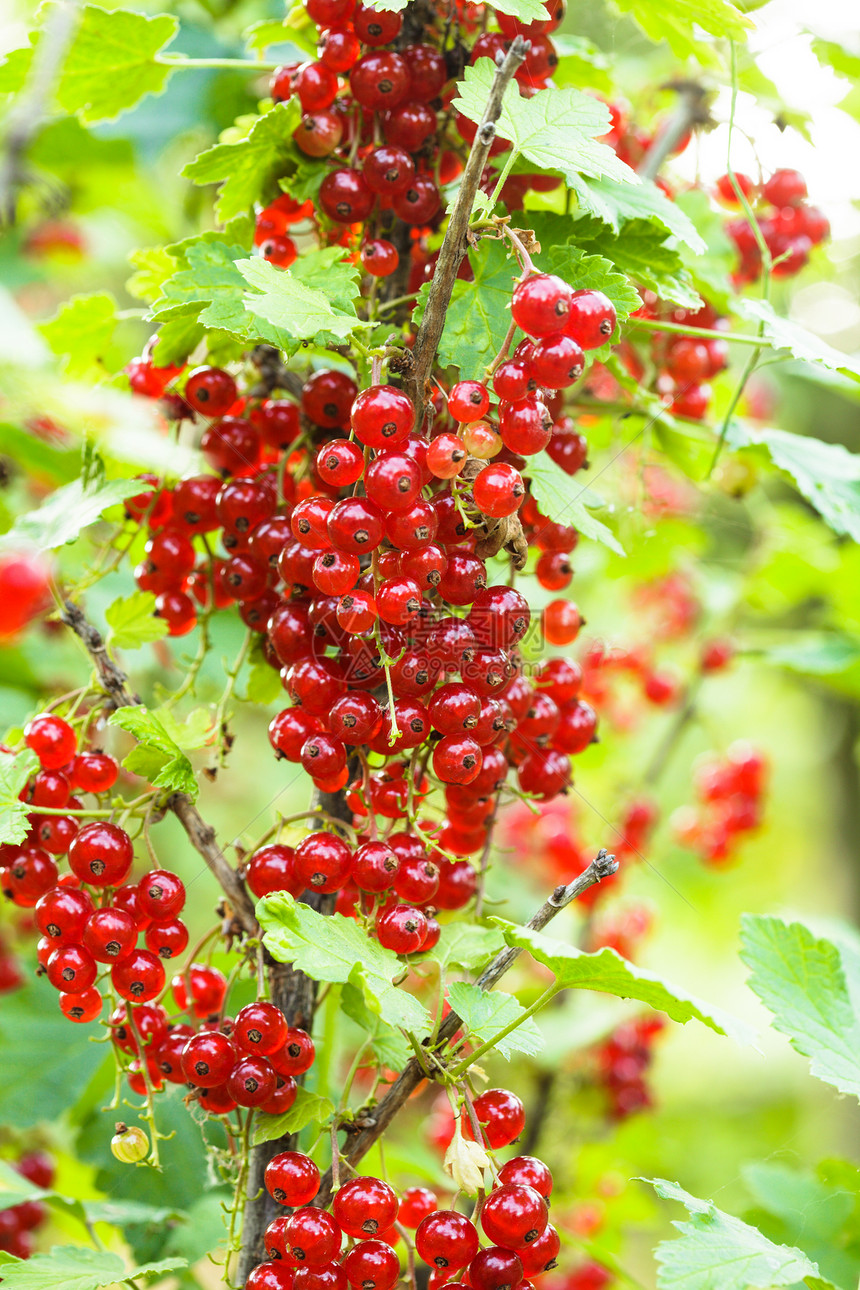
(209, 277)
(486, 1012)
(264, 682)
(389, 1047)
(34, 1035)
(616, 204)
(132, 621)
(306, 180)
(111, 63)
(178, 337)
(156, 756)
(77, 1267)
(816, 654)
(335, 948)
(813, 1211)
(587, 272)
(66, 512)
(566, 501)
(301, 311)
(802, 980)
(308, 1108)
(80, 332)
(555, 128)
(466, 945)
(58, 463)
(674, 22)
(153, 266)
(260, 35)
(827, 474)
(710, 270)
(718, 1250)
(639, 250)
(803, 344)
(479, 313)
(607, 972)
(248, 168)
(14, 773)
(524, 10)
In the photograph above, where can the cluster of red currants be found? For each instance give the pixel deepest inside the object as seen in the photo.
(250, 1060)
(304, 1248)
(623, 1062)
(18, 1222)
(787, 225)
(730, 790)
(89, 918)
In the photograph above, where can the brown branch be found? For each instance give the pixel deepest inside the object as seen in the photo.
(454, 246)
(200, 834)
(692, 110)
(377, 1118)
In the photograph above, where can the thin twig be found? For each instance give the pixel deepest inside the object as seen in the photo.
(377, 1118)
(200, 834)
(454, 246)
(692, 110)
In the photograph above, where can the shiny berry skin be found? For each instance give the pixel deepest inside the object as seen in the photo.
(417, 880)
(139, 977)
(252, 1081)
(410, 125)
(540, 304)
(419, 202)
(498, 490)
(372, 1265)
(376, 26)
(785, 188)
(110, 934)
(340, 462)
(398, 600)
(327, 397)
(468, 401)
(296, 1054)
(364, 1206)
(231, 446)
(514, 1215)
(355, 717)
(339, 48)
(355, 525)
(592, 319)
(414, 528)
(544, 773)
(289, 730)
(345, 197)
(101, 854)
(167, 939)
(496, 1268)
(335, 572)
(292, 1179)
(81, 1008)
(561, 621)
(207, 1059)
(501, 1115)
(316, 86)
(393, 481)
(269, 1276)
(271, 869)
(279, 250)
(379, 257)
(401, 928)
(388, 170)
(526, 427)
(160, 894)
(382, 416)
(94, 772)
(259, 1028)
(527, 1171)
(379, 81)
(322, 862)
(446, 456)
(374, 867)
(513, 380)
(71, 968)
(454, 708)
(52, 740)
(312, 1238)
(557, 361)
(542, 1254)
(415, 1204)
(446, 1239)
(457, 759)
(323, 756)
(62, 913)
(210, 390)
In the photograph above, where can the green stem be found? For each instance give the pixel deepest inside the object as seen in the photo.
(506, 170)
(704, 333)
(179, 62)
(460, 1069)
